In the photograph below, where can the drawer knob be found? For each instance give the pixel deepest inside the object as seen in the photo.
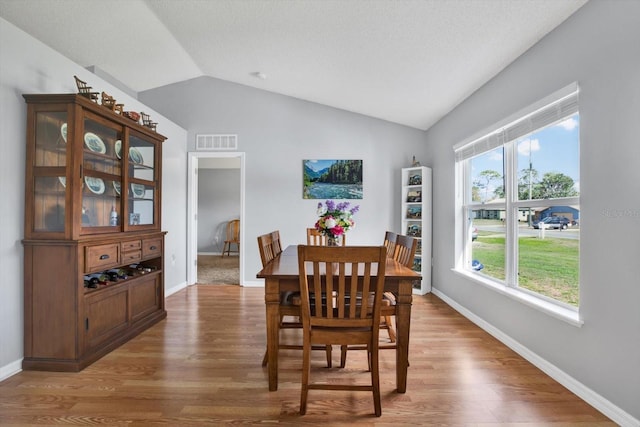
(105, 256)
(153, 248)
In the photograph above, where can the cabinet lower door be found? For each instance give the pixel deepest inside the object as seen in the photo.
(145, 297)
(106, 315)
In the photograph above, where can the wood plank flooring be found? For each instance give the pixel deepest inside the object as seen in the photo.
(202, 366)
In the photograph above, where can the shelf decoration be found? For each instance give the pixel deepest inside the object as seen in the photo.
(85, 90)
(110, 103)
(132, 115)
(146, 121)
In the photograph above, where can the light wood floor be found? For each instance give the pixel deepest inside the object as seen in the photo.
(202, 366)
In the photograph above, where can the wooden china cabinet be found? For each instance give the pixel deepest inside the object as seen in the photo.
(92, 214)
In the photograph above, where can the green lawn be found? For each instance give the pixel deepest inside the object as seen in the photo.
(547, 266)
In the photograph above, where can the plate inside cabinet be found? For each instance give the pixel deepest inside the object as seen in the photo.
(135, 155)
(118, 148)
(137, 190)
(63, 180)
(63, 131)
(116, 186)
(96, 185)
(94, 143)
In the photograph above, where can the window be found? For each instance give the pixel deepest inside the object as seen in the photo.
(519, 199)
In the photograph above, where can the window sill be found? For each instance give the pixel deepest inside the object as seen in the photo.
(565, 314)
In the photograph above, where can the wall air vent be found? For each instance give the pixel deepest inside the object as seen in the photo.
(216, 142)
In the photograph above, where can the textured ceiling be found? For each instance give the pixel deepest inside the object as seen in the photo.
(405, 61)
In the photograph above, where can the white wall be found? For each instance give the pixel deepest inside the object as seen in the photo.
(28, 66)
(277, 132)
(598, 48)
(218, 203)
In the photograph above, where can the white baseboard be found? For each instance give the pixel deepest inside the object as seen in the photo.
(217, 253)
(253, 284)
(10, 369)
(603, 405)
(172, 290)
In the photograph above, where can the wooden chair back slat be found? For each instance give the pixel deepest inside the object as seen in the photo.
(405, 250)
(315, 238)
(277, 245)
(265, 246)
(390, 243)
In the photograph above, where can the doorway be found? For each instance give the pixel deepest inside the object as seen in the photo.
(196, 161)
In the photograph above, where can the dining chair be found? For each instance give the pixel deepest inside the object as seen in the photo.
(269, 246)
(275, 241)
(233, 237)
(315, 238)
(405, 251)
(390, 243)
(345, 319)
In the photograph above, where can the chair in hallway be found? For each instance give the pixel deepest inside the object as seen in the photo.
(344, 319)
(233, 237)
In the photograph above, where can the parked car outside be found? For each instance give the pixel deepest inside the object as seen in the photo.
(557, 222)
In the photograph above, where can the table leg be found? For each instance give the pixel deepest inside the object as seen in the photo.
(272, 303)
(403, 321)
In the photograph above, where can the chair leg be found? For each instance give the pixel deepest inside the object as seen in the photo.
(375, 380)
(328, 351)
(390, 329)
(265, 358)
(306, 370)
(343, 356)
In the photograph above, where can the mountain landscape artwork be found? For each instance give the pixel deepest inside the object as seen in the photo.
(332, 179)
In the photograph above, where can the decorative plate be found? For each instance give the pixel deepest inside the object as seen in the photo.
(63, 181)
(96, 185)
(116, 186)
(135, 156)
(94, 143)
(63, 131)
(138, 190)
(118, 149)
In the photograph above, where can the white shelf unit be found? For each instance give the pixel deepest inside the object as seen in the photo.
(416, 220)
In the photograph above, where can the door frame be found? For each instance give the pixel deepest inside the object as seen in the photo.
(192, 210)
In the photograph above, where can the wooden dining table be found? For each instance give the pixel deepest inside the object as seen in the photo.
(281, 274)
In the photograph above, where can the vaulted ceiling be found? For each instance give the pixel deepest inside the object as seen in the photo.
(405, 61)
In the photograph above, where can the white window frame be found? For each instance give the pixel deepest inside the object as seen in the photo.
(523, 122)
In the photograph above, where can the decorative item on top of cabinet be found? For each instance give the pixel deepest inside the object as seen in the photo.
(416, 220)
(110, 103)
(108, 284)
(146, 121)
(86, 90)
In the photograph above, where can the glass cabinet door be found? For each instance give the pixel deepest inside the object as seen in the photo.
(102, 176)
(49, 172)
(142, 181)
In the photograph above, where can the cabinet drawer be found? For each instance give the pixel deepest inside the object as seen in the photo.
(100, 257)
(132, 245)
(130, 257)
(151, 248)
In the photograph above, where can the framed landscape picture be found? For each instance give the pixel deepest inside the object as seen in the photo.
(332, 179)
